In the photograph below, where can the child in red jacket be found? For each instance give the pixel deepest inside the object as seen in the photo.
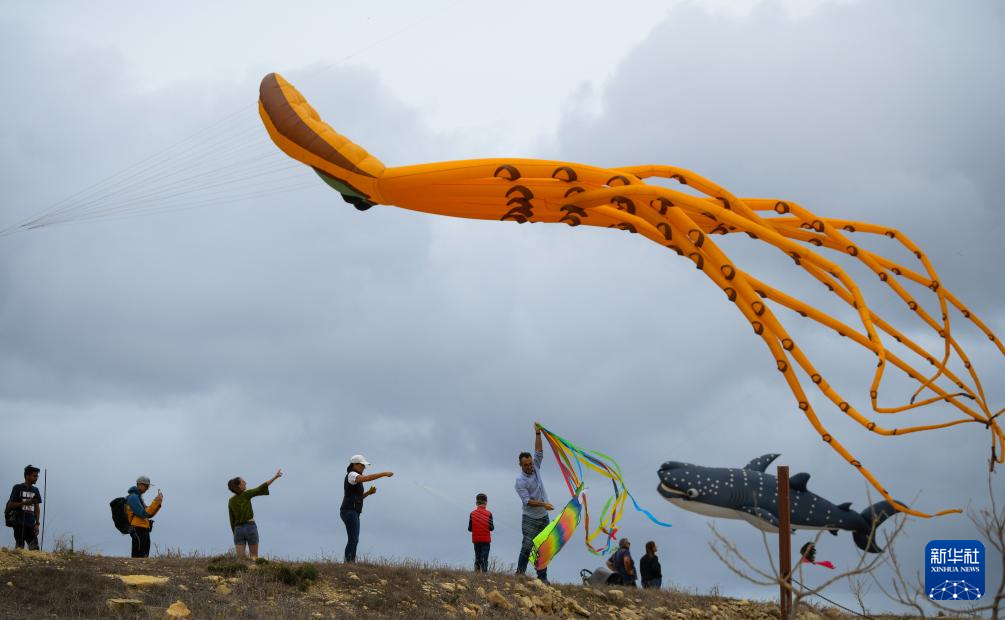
(480, 525)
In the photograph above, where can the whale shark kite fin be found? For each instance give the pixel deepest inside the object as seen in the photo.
(845, 506)
(798, 482)
(874, 515)
(761, 463)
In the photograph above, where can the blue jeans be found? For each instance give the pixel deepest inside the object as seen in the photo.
(351, 520)
(656, 583)
(531, 527)
(482, 556)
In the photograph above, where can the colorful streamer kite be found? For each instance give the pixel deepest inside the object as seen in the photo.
(528, 190)
(571, 459)
(551, 539)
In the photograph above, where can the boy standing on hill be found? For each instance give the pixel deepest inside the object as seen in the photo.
(242, 517)
(480, 525)
(23, 507)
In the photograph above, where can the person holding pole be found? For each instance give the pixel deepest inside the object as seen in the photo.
(23, 510)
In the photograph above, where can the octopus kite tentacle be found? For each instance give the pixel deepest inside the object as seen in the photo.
(529, 190)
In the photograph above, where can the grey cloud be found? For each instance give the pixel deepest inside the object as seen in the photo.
(294, 331)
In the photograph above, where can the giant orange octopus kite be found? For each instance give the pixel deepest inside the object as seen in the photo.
(530, 190)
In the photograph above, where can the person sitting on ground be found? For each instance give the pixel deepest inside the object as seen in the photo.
(242, 516)
(622, 565)
(480, 525)
(23, 508)
(649, 567)
(141, 516)
(352, 500)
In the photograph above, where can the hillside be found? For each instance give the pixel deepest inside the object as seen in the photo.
(74, 585)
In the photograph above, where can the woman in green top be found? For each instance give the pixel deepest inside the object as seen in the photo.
(242, 517)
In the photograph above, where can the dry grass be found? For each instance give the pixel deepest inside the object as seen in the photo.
(73, 585)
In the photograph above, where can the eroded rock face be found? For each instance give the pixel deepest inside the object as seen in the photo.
(498, 600)
(124, 604)
(178, 609)
(142, 581)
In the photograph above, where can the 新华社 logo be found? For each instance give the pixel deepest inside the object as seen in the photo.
(954, 570)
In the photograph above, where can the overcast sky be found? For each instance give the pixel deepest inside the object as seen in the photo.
(289, 330)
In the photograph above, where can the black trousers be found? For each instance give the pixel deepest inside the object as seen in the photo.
(141, 542)
(24, 535)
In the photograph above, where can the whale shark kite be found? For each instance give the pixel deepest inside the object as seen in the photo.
(750, 494)
(531, 190)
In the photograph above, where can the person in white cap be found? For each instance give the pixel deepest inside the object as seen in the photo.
(352, 500)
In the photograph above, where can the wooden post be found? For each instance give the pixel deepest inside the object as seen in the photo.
(784, 542)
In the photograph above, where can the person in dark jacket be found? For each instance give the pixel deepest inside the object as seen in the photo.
(480, 525)
(23, 505)
(622, 565)
(649, 568)
(352, 500)
(141, 516)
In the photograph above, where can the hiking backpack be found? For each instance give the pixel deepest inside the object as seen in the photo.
(119, 518)
(10, 516)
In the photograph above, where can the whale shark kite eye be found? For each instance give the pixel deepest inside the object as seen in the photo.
(692, 493)
(531, 190)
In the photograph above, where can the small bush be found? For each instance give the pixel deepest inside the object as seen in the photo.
(300, 576)
(226, 565)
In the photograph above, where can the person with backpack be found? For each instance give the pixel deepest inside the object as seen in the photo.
(140, 516)
(242, 517)
(352, 500)
(21, 512)
(480, 525)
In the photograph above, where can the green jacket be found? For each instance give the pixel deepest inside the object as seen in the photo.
(240, 505)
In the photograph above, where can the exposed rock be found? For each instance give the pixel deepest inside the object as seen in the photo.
(223, 589)
(142, 581)
(449, 587)
(178, 609)
(574, 607)
(480, 592)
(213, 578)
(352, 577)
(124, 604)
(616, 595)
(498, 600)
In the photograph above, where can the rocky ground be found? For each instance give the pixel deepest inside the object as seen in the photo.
(73, 585)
